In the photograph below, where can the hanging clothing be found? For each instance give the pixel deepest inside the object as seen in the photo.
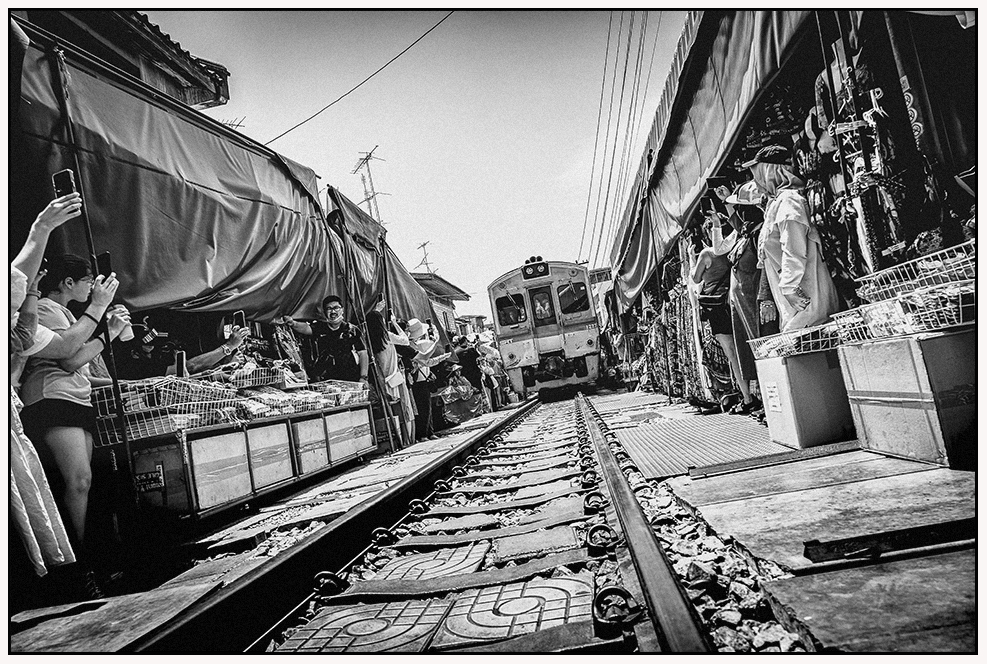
(790, 252)
(32, 506)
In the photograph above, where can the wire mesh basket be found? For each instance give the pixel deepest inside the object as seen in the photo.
(951, 265)
(256, 377)
(924, 310)
(796, 342)
(851, 326)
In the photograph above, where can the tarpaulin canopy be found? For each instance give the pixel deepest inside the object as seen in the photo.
(732, 56)
(195, 216)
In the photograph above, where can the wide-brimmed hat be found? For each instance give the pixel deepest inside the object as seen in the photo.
(746, 194)
(416, 329)
(770, 154)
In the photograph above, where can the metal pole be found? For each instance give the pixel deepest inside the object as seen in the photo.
(351, 297)
(58, 70)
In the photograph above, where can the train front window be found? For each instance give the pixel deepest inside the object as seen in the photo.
(573, 297)
(541, 305)
(510, 309)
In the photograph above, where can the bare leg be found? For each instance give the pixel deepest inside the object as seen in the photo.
(72, 449)
(726, 342)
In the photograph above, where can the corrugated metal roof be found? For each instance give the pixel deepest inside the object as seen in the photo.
(670, 447)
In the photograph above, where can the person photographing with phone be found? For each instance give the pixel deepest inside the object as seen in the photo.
(340, 351)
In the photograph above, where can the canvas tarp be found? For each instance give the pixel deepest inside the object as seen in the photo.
(734, 56)
(193, 219)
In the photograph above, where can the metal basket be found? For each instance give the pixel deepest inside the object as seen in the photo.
(951, 265)
(258, 377)
(345, 391)
(924, 310)
(796, 342)
(851, 326)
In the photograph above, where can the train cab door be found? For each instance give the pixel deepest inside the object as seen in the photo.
(545, 319)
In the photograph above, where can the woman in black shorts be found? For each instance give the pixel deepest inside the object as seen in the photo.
(58, 415)
(713, 272)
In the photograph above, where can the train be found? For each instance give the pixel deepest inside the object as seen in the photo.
(545, 322)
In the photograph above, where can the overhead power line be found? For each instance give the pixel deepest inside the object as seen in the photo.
(353, 89)
(596, 139)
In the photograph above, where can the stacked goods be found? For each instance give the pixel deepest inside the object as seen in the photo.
(348, 392)
(955, 264)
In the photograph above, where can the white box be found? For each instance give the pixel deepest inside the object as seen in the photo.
(805, 399)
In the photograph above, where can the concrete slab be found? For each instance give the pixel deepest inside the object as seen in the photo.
(559, 507)
(106, 625)
(526, 480)
(774, 527)
(504, 612)
(468, 522)
(433, 564)
(542, 489)
(925, 604)
(536, 543)
(784, 478)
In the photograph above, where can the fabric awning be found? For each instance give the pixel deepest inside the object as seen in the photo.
(194, 219)
(732, 57)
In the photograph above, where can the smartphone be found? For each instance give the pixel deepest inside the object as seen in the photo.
(181, 370)
(103, 264)
(64, 182)
(239, 319)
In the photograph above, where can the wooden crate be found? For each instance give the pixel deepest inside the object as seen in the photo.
(310, 444)
(270, 454)
(915, 396)
(220, 469)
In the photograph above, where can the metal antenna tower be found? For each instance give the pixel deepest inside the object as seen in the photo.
(424, 261)
(369, 191)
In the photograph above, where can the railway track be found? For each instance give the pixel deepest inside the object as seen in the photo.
(536, 535)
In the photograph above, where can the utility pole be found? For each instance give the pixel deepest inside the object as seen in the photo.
(424, 261)
(368, 183)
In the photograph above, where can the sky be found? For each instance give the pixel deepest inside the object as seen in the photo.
(485, 129)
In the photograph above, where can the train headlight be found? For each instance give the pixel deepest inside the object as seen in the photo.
(589, 342)
(528, 271)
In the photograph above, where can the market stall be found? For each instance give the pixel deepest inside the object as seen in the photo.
(200, 445)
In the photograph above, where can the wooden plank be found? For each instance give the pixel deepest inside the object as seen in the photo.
(809, 474)
(102, 626)
(925, 604)
(775, 526)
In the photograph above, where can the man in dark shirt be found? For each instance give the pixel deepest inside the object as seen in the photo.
(342, 354)
(468, 356)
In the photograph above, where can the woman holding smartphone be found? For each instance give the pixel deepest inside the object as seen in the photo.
(58, 415)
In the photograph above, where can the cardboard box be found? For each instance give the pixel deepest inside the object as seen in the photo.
(805, 400)
(915, 396)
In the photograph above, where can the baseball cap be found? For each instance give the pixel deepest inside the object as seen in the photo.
(771, 154)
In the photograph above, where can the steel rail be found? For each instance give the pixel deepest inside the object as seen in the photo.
(678, 627)
(232, 618)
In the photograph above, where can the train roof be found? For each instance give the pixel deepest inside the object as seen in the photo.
(578, 266)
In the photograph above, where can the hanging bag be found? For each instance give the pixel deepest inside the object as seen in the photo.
(710, 302)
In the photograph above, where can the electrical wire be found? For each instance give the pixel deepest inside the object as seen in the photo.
(606, 138)
(353, 89)
(596, 139)
(613, 152)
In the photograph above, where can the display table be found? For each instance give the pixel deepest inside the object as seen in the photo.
(204, 470)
